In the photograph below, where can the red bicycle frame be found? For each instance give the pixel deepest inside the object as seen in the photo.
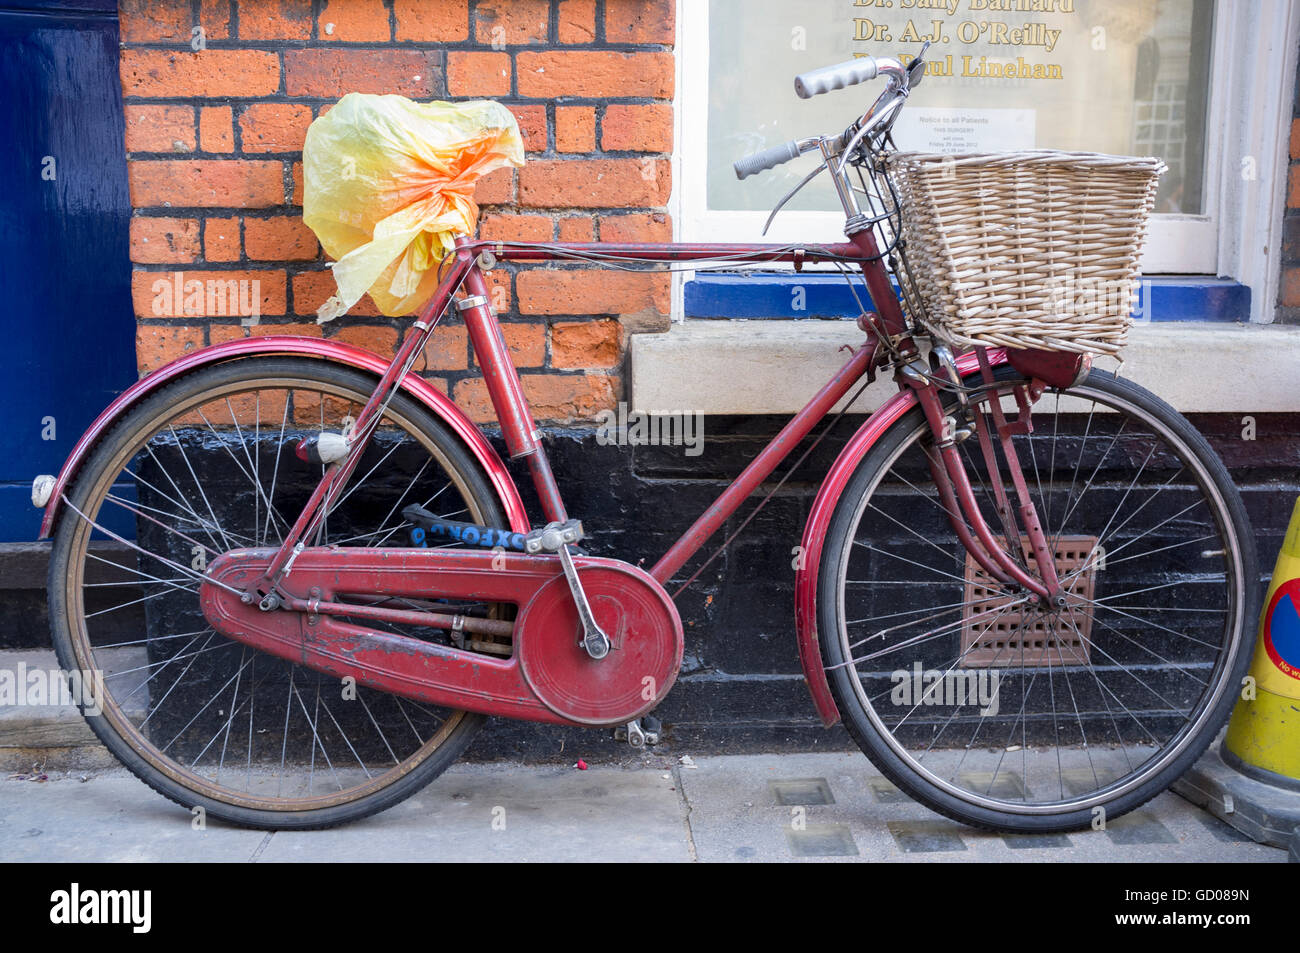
(887, 339)
(523, 440)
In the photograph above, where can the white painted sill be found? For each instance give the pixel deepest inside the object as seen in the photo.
(774, 367)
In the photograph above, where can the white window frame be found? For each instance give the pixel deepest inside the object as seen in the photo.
(1253, 69)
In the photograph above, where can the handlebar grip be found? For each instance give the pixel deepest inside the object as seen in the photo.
(767, 159)
(818, 81)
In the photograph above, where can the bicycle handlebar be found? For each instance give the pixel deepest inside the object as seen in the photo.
(767, 159)
(823, 80)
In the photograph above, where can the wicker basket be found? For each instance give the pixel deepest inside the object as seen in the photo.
(1025, 249)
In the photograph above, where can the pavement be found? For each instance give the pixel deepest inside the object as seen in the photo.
(651, 808)
(64, 798)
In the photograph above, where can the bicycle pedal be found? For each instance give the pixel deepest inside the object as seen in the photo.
(553, 537)
(640, 732)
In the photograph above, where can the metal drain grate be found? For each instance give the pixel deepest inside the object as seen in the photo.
(1016, 637)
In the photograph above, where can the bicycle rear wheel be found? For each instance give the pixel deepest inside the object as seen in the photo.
(207, 465)
(1005, 714)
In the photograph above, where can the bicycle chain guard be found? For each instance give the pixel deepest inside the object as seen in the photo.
(550, 677)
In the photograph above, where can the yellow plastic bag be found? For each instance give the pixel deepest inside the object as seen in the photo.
(387, 182)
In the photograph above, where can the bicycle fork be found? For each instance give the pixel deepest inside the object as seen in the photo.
(957, 496)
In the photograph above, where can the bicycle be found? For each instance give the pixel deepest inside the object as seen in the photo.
(330, 611)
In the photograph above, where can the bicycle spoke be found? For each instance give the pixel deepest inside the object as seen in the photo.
(257, 487)
(379, 731)
(275, 473)
(206, 480)
(208, 526)
(199, 486)
(912, 562)
(1181, 635)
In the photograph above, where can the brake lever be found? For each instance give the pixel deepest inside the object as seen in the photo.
(791, 194)
(881, 121)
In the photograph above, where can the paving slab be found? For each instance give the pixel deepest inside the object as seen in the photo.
(510, 813)
(472, 813)
(741, 810)
(109, 818)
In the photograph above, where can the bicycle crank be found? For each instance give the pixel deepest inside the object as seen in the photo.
(553, 538)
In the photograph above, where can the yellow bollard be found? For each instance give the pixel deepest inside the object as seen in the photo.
(1252, 780)
(1263, 738)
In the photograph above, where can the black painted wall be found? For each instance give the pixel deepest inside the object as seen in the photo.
(740, 687)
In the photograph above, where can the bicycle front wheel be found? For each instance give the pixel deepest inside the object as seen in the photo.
(1006, 714)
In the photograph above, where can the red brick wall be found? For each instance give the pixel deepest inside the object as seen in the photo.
(1288, 311)
(214, 140)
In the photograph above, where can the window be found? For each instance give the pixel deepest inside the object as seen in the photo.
(1119, 76)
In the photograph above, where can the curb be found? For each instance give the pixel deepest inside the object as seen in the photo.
(1264, 813)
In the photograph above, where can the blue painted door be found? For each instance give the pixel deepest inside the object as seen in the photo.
(67, 333)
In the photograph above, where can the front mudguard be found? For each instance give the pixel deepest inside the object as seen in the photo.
(814, 533)
(281, 345)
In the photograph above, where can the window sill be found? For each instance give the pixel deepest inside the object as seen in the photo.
(791, 296)
(775, 366)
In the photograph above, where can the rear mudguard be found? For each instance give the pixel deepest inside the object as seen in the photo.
(814, 533)
(415, 387)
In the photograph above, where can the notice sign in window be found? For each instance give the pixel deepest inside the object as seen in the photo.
(1128, 77)
(955, 130)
